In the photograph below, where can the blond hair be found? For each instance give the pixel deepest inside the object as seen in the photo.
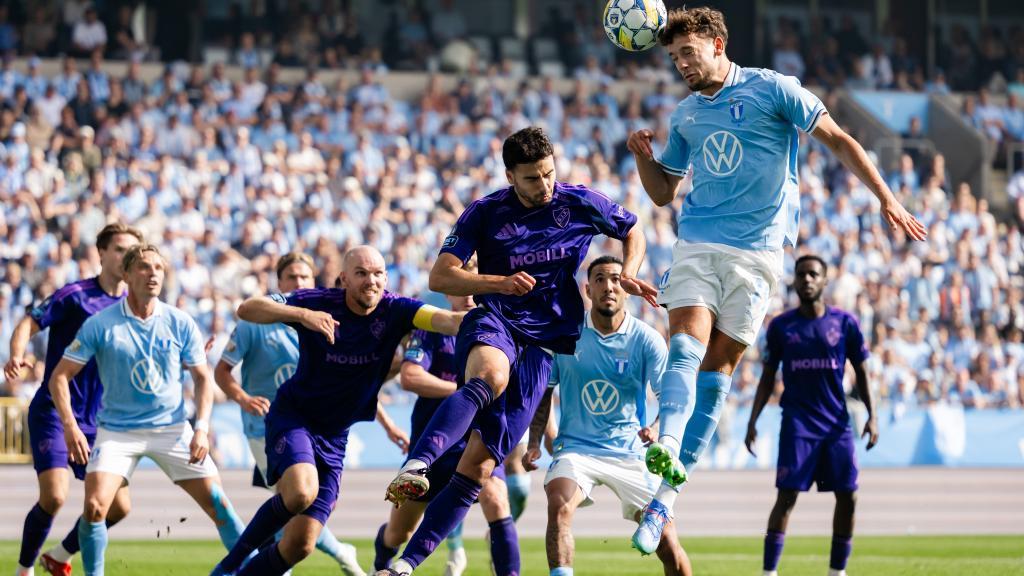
(135, 254)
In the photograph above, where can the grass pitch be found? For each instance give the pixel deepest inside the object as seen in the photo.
(804, 556)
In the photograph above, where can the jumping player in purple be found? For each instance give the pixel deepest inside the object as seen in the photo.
(813, 343)
(64, 313)
(347, 340)
(530, 239)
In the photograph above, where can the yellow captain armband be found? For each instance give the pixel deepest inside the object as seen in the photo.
(424, 318)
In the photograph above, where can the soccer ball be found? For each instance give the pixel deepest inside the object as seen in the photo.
(634, 24)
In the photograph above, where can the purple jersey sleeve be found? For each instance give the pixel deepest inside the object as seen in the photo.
(609, 218)
(856, 347)
(419, 351)
(405, 310)
(462, 241)
(311, 298)
(49, 311)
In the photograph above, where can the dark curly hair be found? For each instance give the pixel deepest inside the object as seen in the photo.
(526, 146)
(706, 22)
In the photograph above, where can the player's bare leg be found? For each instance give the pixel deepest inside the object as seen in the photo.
(100, 490)
(486, 377)
(564, 497)
(775, 538)
(673, 557)
(207, 492)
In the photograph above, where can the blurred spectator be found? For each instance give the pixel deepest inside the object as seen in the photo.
(89, 33)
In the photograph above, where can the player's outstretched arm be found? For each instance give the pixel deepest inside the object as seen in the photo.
(449, 277)
(634, 246)
(200, 445)
(422, 383)
(864, 392)
(264, 310)
(23, 332)
(395, 434)
(537, 428)
(60, 391)
(434, 319)
(255, 405)
(765, 386)
(659, 184)
(853, 156)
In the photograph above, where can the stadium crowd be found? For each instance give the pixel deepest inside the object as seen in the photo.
(227, 175)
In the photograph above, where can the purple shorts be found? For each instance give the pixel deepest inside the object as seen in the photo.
(46, 434)
(829, 462)
(503, 423)
(289, 442)
(442, 470)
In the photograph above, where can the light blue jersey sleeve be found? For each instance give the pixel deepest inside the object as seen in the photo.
(86, 342)
(238, 344)
(657, 358)
(675, 158)
(553, 379)
(193, 352)
(797, 104)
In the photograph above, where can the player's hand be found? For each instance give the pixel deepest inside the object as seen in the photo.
(517, 284)
(209, 344)
(639, 143)
(14, 367)
(641, 288)
(400, 439)
(871, 431)
(646, 435)
(898, 217)
(199, 447)
(255, 405)
(531, 457)
(750, 439)
(78, 445)
(321, 322)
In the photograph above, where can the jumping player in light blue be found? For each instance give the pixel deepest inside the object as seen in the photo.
(813, 343)
(737, 135)
(268, 354)
(603, 389)
(141, 345)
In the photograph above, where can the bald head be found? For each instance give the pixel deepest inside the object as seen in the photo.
(364, 277)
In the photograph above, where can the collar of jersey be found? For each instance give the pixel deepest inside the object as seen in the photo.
(732, 78)
(158, 310)
(589, 323)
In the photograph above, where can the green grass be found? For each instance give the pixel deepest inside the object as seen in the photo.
(874, 556)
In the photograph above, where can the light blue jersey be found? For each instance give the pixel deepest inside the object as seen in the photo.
(140, 363)
(741, 145)
(269, 354)
(603, 389)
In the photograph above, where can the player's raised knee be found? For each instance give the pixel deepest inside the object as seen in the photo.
(299, 497)
(95, 509)
(52, 503)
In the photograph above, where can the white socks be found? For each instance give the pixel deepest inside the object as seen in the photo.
(671, 443)
(414, 465)
(834, 572)
(59, 554)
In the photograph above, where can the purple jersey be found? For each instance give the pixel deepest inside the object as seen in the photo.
(813, 352)
(435, 353)
(336, 385)
(64, 313)
(548, 243)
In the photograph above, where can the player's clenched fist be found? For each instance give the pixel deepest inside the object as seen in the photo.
(639, 143)
(321, 322)
(199, 447)
(78, 445)
(517, 284)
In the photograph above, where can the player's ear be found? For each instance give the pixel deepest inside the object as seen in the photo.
(719, 46)
(586, 289)
(510, 177)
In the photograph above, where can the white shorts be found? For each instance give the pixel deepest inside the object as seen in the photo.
(628, 478)
(119, 452)
(735, 285)
(258, 447)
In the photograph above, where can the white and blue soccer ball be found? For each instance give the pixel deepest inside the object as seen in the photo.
(634, 24)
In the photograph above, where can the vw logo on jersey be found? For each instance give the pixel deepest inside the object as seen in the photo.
(145, 377)
(600, 397)
(723, 153)
(283, 374)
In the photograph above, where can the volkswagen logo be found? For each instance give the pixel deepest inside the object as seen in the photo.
(600, 397)
(723, 153)
(283, 374)
(145, 377)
